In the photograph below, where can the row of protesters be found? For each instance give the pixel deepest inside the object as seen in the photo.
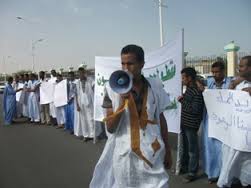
(76, 116)
(220, 162)
(27, 104)
(58, 114)
(236, 165)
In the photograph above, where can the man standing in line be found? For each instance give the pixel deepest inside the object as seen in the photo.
(84, 122)
(69, 109)
(237, 164)
(33, 99)
(137, 153)
(60, 111)
(192, 106)
(25, 96)
(211, 147)
(52, 106)
(17, 85)
(44, 108)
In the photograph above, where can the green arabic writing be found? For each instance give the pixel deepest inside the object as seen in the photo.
(172, 106)
(168, 74)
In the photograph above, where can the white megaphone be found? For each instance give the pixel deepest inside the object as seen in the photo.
(121, 81)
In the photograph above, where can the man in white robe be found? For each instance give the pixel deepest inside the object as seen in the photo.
(83, 118)
(25, 96)
(137, 153)
(60, 111)
(45, 108)
(33, 100)
(52, 106)
(237, 164)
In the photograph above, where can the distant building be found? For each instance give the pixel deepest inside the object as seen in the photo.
(203, 64)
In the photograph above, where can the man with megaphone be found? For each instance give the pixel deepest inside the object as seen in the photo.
(137, 153)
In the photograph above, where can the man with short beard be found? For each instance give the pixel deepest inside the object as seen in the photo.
(211, 147)
(237, 164)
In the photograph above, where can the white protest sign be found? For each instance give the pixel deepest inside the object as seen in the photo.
(60, 94)
(19, 93)
(164, 63)
(46, 92)
(229, 117)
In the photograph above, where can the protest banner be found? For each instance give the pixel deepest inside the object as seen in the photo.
(229, 121)
(46, 92)
(60, 94)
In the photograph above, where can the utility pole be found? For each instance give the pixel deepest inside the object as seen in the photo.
(33, 53)
(33, 42)
(161, 22)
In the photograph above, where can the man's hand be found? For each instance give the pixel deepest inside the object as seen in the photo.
(70, 100)
(235, 82)
(200, 85)
(168, 159)
(180, 98)
(78, 108)
(247, 89)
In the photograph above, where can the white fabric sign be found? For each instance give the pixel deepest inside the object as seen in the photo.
(229, 117)
(46, 92)
(164, 63)
(18, 94)
(60, 94)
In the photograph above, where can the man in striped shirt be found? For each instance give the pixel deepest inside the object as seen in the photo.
(191, 115)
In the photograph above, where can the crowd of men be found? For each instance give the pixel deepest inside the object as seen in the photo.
(220, 162)
(137, 152)
(76, 116)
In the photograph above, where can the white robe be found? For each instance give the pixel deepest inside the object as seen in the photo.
(52, 106)
(25, 96)
(235, 164)
(119, 166)
(60, 114)
(33, 103)
(19, 105)
(83, 119)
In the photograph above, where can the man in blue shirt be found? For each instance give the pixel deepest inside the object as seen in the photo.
(211, 147)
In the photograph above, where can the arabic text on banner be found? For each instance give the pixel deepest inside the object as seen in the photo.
(229, 121)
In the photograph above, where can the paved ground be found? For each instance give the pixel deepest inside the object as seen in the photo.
(44, 157)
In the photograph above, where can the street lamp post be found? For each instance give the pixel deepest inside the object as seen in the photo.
(33, 43)
(33, 52)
